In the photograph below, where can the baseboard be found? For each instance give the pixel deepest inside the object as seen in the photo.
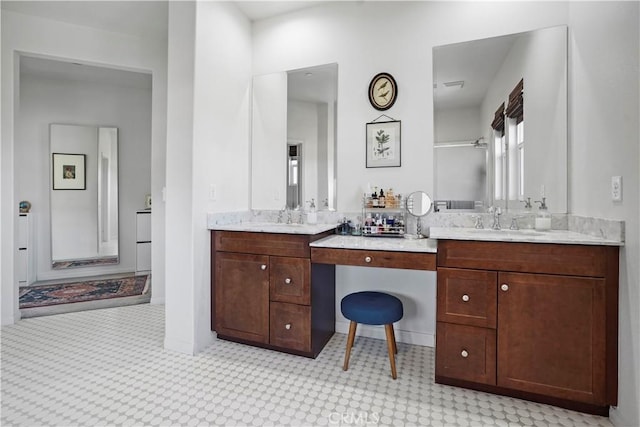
(81, 272)
(179, 346)
(156, 300)
(408, 337)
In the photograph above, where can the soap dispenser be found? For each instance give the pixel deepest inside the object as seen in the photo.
(312, 215)
(543, 219)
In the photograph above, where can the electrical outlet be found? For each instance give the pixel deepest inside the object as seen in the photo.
(212, 192)
(616, 188)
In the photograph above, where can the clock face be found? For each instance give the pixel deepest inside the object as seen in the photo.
(382, 91)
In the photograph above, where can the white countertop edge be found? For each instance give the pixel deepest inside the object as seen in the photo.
(259, 227)
(551, 236)
(377, 243)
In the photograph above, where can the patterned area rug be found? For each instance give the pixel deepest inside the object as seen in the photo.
(65, 293)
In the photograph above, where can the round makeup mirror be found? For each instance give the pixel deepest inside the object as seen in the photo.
(418, 204)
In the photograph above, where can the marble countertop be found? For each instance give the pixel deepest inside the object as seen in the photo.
(272, 227)
(377, 243)
(523, 235)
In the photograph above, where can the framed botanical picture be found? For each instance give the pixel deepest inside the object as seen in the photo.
(69, 171)
(383, 144)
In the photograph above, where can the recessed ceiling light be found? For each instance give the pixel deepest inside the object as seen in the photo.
(308, 74)
(457, 84)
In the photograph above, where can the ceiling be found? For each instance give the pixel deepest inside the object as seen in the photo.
(475, 63)
(148, 19)
(139, 18)
(313, 84)
(72, 71)
(256, 10)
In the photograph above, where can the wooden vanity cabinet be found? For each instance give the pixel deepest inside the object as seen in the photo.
(265, 291)
(535, 321)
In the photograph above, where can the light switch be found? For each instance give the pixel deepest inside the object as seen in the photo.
(616, 188)
(212, 192)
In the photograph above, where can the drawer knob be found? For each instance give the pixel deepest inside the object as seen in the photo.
(263, 267)
(464, 353)
(367, 259)
(287, 326)
(465, 297)
(504, 287)
(287, 280)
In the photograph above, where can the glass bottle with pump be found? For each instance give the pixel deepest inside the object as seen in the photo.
(543, 219)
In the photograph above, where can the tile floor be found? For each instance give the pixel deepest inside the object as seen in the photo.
(108, 368)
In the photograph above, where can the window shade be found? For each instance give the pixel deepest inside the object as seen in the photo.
(498, 120)
(515, 110)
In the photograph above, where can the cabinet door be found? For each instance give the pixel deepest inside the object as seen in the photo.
(143, 256)
(551, 335)
(242, 296)
(143, 226)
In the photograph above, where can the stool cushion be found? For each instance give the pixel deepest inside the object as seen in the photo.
(371, 308)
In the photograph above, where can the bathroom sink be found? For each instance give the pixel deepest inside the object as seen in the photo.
(522, 235)
(521, 232)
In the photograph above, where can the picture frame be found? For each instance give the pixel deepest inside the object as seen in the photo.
(383, 144)
(69, 171)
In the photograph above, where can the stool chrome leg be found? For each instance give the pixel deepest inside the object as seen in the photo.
(391, 347)
(350, 339)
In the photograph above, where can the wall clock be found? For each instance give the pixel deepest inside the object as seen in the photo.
(382, 91)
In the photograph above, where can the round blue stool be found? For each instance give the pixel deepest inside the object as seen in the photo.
(372, 308)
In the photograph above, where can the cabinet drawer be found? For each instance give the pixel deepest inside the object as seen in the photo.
(289, 280)
(466, 353)
(290, 326)
(296, 245)
(467, 297)
(574, 260)
(364, 258)
(143, 256)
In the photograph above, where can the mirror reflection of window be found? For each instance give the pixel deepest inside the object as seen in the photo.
(520, 147)
(500, 163)
(470, 80)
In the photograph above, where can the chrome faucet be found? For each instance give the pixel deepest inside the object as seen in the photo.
(478, 225)
(543, 203)
(527, 203)
(496, 211)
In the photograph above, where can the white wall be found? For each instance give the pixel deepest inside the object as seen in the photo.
(207, 144)
(44, 101)
(301, 39)
(37, 36)
(603, 136)
(604, 141)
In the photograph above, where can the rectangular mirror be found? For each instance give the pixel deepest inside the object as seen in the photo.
(483, 157)
(84, 195)
(293, 138)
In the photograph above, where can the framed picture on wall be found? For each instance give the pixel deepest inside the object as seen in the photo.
(69, 171)
(383, 144)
